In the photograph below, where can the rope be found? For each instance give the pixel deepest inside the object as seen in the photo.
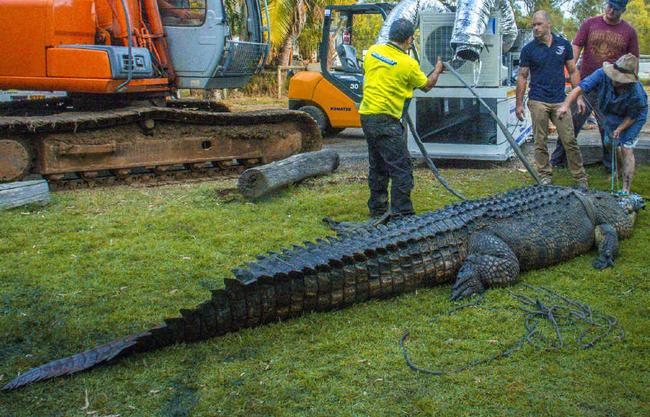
(601, 120)
(613, 187)
(547, 306)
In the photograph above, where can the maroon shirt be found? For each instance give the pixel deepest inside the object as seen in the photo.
(603, 42)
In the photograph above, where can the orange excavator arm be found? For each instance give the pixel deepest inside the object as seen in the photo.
(79, 46)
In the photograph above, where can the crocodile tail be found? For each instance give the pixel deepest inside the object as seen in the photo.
(208, 319)
(77, 362)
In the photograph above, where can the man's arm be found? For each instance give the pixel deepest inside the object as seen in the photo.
(432, 79)
(182, 13)
(627, 122)
(522, 80)
(574, 77)
(577, 50)
(566, 106)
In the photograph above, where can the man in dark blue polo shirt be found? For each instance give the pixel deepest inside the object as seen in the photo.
(545, 58)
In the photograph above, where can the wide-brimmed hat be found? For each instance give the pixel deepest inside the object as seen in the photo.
(623, 70)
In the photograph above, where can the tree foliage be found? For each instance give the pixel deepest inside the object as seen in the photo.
(298, 23)
(638, 15)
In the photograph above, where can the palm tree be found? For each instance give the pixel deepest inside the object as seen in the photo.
(288, 19)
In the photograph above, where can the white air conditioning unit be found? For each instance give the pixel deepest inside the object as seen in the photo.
(435, 37)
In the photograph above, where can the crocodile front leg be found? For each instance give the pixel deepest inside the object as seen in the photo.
(490, 262)
(607, 240)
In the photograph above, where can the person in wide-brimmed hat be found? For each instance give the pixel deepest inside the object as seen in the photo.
(603, 38)
(623, 71)
(622, 103)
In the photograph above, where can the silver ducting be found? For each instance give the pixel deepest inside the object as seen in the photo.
(508, 25)
(408, 9)
(471, 21)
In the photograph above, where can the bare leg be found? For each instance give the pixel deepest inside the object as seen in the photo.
(627, 162)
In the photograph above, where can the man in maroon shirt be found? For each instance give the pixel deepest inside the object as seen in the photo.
(600, 39)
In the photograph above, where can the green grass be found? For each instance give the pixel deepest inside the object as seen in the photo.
(98, 264)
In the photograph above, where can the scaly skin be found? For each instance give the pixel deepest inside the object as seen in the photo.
(481, 243)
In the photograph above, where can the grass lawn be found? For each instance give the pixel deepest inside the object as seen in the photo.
(98, 264)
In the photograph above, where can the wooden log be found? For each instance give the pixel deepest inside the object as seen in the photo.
(15, 194)
(258, 181)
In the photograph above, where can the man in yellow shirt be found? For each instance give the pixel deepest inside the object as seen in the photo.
(390, 75)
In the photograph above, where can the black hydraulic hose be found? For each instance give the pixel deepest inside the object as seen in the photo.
(505, 131)
(129, 42)
(428, 160)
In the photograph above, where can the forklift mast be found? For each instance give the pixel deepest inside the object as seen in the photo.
(332, 95)
(350, 79)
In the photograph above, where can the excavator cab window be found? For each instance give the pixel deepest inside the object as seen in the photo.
(217, 43)
(182, 12)
(238, 20)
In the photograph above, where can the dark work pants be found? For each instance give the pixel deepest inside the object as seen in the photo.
(559, 155)
(388, 158)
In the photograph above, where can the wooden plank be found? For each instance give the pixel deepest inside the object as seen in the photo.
(15, 194)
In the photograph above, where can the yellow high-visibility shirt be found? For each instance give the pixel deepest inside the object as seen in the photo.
(390, 75)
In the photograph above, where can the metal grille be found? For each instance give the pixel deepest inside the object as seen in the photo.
(437, 45)
(242, 58)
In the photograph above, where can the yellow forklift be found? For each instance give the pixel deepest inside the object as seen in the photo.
(332, 96)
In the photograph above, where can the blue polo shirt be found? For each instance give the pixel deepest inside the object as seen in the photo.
(546, 68)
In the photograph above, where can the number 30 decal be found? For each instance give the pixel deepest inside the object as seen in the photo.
(354, 86)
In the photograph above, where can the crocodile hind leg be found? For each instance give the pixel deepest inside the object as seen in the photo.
(490, 263)
(607, 240)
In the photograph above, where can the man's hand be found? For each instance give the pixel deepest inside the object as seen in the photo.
(182, 13)
(432, 78)
(562, 110)
(520, 112)
(627, 122)
(582, 106)
(440, 67)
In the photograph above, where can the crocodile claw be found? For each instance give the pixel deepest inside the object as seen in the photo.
(603, 262)
(467, 283)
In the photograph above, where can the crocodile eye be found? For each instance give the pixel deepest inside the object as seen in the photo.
(632, 217)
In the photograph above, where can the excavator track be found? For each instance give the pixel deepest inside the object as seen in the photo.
(148, 145)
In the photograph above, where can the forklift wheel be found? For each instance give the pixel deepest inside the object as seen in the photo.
(320, 117)
(333, 131)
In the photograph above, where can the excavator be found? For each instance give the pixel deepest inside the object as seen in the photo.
(120, 64)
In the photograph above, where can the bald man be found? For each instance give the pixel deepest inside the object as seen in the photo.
(544, 59)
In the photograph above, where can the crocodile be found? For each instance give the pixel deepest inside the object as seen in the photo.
(478, 243)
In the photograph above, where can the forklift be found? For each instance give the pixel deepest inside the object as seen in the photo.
(333, 95)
